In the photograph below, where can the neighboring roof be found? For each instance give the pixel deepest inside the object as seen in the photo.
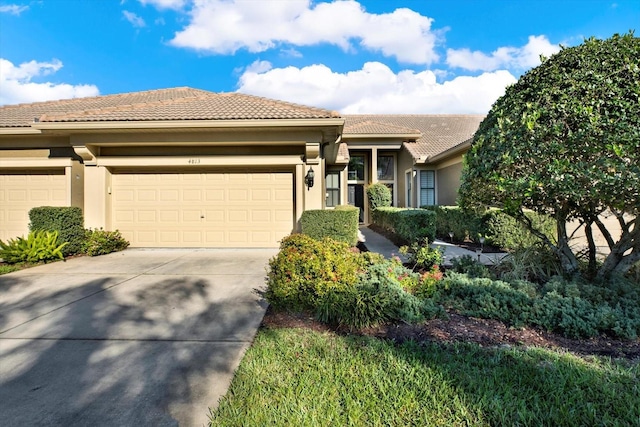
(440, 132)
(158, 105)
(370, 127)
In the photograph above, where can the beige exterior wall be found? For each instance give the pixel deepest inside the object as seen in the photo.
(448, 183)
(405, 164)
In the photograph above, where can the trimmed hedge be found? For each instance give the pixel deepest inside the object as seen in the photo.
(498, 228)
(66, 220)
(339, 224)
(411, 225)
(464, 223)
(379, 196)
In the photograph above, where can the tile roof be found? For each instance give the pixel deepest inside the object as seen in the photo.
(440, 132)
(369, 127)
(165, 104)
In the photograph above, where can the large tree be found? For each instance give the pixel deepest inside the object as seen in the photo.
(565, 141)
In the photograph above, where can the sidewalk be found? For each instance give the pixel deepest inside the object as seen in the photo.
(377, 243)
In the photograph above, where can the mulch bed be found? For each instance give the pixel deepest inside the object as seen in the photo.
(458, 328)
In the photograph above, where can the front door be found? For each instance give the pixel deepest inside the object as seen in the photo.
(356, 198)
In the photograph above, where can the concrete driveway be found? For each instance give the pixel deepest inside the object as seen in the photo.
(140, 337)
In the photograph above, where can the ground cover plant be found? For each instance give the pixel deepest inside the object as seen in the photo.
(303, 377)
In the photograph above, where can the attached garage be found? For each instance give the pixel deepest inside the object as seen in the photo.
(202, 209)
(21, 190)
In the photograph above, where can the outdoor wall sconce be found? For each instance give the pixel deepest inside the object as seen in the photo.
(308, 180)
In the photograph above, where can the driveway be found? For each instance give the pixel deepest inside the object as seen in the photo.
(139, 337)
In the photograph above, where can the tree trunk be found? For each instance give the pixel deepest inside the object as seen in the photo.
(568, 260)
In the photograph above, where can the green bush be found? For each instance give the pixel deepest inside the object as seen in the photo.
(410, 225)
(574, 309)
(465, 224)
(470, 266)
(379, 196)
(422, 256)
(498, 228)
(339, 224)
(507, 233)
(536, 263)
(305, 269)
(378, 297)
(67, 221)
(101, 242)
(38, 246)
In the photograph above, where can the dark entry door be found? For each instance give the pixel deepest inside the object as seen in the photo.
(356, 198)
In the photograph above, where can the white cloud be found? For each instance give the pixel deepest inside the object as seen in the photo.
(519, 58)
(165, 4)
(134, 19)
(17, 86)
(225, 26)
(377, 89)
(13, 9)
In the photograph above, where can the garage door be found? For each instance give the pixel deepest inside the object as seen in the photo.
(22, 190)
(203, 209)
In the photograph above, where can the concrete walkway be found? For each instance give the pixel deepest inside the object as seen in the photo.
(134, 338)
(376, 242)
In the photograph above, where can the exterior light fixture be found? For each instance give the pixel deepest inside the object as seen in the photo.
(308, 180)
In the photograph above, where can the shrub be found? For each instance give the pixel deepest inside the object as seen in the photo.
(101, 242)
(410, 225)
(498, 228)
(67, 221)
(379, 196)
(470, 266)
(339, 224)
(38, 246)
(507, 233)
(574, 309)
(536, 264)
(422, 256)
(465, 224)
(378, 297)
(306, 269)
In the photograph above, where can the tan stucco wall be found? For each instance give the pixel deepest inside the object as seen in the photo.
(448, 183)
(405, 162)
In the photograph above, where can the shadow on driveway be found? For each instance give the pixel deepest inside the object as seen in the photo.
(152, 347)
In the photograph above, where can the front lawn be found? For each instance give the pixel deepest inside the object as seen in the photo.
(300, 377)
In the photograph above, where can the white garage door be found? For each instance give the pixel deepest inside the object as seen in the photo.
(22, 190)
(203, 209)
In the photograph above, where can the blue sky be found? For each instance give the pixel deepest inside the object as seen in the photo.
(367, 56)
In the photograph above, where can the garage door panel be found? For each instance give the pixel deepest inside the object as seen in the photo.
(20, 191)
(205, 209)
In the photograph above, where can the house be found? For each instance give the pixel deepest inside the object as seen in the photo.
(185, 167)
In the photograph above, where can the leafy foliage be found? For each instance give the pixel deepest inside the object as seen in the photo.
(339, 224)
(565, 141)
(101, 242)
(38, 246)
(379, 196)
(67, 221)
(306, 269)
(574, 309)
(498, 228)
(421, 255)
(343, 287)
(470, 266)
(410, 225)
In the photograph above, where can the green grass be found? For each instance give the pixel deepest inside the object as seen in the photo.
(8, 268)
(296, 377)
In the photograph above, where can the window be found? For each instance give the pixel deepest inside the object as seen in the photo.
(356, 168)
(386, 173)
(333, 189)
(427, 188)
(385, 168)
